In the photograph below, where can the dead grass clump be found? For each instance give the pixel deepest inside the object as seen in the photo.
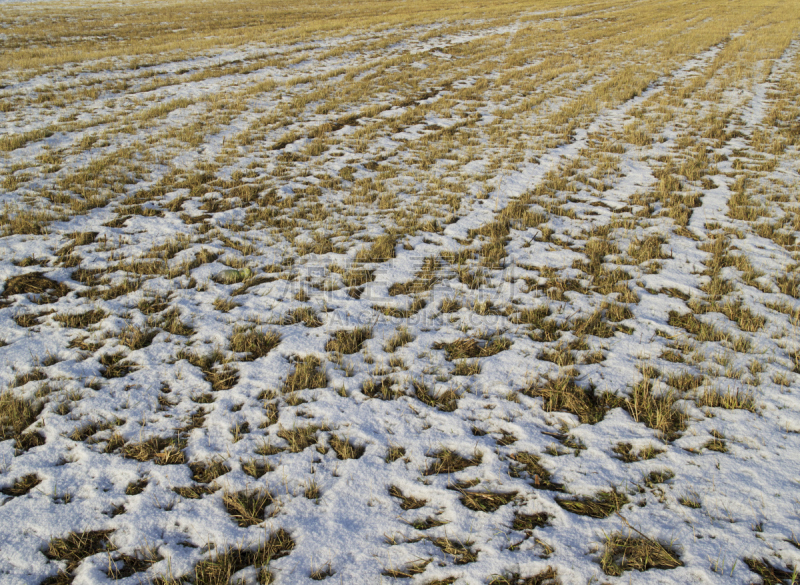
(221, 566)
(220, 376)
(305, 315)
(649, 248)
(636, 553)
(124, 565)
(459, 550)
(592, 325)
(738, 400)
(81, 320)
(345, 449)
(171, 323)
(626, 452)
(742, 316)
(255, 344)
(247, 507)
(690, 323)
(684, 381)
(547, 577)
(401, 338)
(194, 492)
(27, 320)
(485, 501)
(406, 502)
(137, 337)
(659, 412)
(136, 487)
(530, 521)
(448, 461)
(529, 464)
(601, 505)
(450, 305)
(33, 375)
(37, 284)
(616, 312)
(562, 394)
(789, 285)
(160, 451)
(208, 471)
(467, 368)
(394, 453)
(256, 468)
(307, 375)
(113, 366)
(769, 573)
(300, 438)
(382, 249)
(224, 305)
(348, 342)
(408, 570)
(446, 401)
(22, 485)
(16, 415)
(468, 347)
(532, 317)
(76, 546)
(384, 389)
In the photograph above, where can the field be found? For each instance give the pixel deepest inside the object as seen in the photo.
(367, 292)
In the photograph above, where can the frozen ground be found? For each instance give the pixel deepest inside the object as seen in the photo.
(479, 303)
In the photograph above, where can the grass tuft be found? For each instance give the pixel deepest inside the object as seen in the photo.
(636, 553)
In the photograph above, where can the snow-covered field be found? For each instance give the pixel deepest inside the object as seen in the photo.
(507, 300)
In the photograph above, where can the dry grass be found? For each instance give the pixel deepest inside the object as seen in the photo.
(626, 452)
(35, 283)
(658, 411)
(485, 501)
(253, 343)
(81, 320)
(76, 546)
(530, 521)
(769, 573)
(222, 564)
(247, 507)
(160, 451)
(547, 577)
(459, 551)
(307, 374)
(208, 471)
(348, 342)
(468, 347)
(407, 571)
(636, 553)
(137, 337)
(729, 400)
(447, 461)
(22, 485)
(16, 415)
(562, 394)
(345, 449)
(114, 366)
(601, 505)
(382, 249)
(529, 464)
(406, 502)
(446, 401)
(300, 438)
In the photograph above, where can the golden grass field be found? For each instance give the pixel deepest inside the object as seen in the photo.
(400, 292)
